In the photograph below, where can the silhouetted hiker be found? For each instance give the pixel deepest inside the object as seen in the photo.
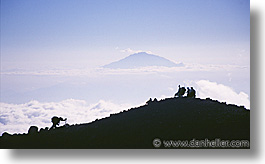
(191, 92)
(188, 91)
(180, 92)
(56, 121)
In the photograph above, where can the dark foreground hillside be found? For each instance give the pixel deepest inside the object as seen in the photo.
(170, 119)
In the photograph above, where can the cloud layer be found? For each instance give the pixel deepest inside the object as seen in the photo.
(17, 118)
(206, 88)
(189, 67)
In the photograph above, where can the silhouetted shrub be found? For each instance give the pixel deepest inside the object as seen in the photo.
(33, 130)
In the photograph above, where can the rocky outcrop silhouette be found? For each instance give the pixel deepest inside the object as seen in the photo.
(168, 119)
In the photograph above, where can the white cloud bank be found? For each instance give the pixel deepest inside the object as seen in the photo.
(220, 92)
(188, 67)
(17, 118)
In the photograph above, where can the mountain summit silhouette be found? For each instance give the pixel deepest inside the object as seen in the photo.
(169, 119)
(142, 59)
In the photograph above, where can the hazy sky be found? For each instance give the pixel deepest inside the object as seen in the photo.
(47, 47)
(95, 31)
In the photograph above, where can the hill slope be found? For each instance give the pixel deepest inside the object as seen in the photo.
(170, 119)
(141, 59)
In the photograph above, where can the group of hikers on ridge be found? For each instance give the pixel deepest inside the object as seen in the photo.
(190, 92)
(181, 91)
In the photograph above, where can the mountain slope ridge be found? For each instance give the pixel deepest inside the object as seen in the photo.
(171, 119)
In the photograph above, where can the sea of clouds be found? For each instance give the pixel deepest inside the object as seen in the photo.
(17, 118)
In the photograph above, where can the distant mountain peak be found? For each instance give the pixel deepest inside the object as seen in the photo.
(142, 54)
(142, 59)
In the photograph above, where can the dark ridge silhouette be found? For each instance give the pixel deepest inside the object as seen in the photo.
(142, 59)
(169, 119)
